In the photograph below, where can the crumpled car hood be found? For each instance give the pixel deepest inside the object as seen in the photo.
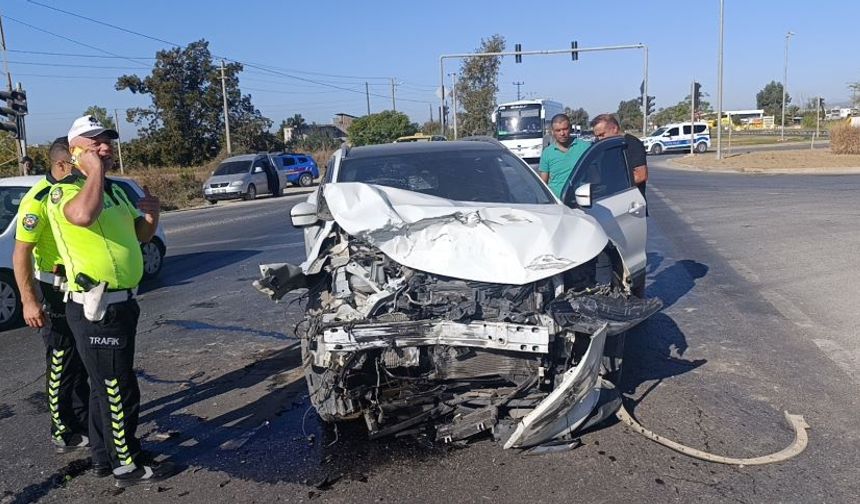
(485, 242)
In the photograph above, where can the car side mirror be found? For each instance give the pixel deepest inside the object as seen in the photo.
(583, 196)
(258, 169)
(304, 214)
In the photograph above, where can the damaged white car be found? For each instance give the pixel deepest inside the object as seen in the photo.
(448, 289)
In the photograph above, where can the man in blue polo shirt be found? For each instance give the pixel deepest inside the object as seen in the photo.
(557, 160)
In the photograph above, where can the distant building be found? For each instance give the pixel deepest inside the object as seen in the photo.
(337, 130)
(343, 121)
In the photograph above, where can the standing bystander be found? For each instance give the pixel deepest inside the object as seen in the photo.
(559, 158)
(99, 232)
(44, 309)
(605, 126)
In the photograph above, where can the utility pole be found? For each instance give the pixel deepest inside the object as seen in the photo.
(518, 84)
(118, 141)
(453, 76)
(817, 120)
(393, 99)
(431, 111)
(692, 117)
(784, 85)
(367, 94)
(720, 89)
(226, 115)
(20, 150)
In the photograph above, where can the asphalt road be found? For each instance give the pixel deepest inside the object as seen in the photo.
(756, 276)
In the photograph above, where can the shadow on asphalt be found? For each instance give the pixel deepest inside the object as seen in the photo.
(654, 350)
(179, 269)
(277, 437)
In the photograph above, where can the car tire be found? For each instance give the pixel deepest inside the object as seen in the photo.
(656, 149)
(251, 193)
(212, 201)
(11, 311)
(701, 147)
(306, 180)
(153, 258)
(319, 381)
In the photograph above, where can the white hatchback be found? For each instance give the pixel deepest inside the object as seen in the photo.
(12, 189)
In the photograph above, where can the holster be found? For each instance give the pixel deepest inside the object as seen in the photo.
(95, 302)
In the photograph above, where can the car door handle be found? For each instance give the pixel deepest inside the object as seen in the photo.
(635, 209)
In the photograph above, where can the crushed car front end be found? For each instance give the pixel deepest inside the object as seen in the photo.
(428, 314)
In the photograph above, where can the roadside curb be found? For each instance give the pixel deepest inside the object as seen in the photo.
(678, 165)
(290, 191)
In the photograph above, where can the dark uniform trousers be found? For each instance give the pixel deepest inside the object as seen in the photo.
(66, 379)
(107, 350)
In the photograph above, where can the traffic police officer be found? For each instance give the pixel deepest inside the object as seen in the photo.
(44, 309)
(99, 232)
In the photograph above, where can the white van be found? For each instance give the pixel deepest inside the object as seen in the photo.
(677, 137)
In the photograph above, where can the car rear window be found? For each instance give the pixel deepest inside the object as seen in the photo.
(464, 175)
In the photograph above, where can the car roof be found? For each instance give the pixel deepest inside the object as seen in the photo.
(30, 181)
(242, 157)
(391, 149)
(27, 181)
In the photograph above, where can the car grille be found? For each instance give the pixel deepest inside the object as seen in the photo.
(219, 184)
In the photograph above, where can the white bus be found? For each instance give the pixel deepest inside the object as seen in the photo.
(524, 126)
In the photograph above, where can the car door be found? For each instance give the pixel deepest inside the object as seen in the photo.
(259, 176)
(673, 138)
(617, 203)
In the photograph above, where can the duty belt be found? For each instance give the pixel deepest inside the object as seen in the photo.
(110, 297)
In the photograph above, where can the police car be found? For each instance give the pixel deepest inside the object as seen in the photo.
(677, 137)
(12, 189)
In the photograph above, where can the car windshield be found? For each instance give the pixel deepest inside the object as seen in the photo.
(462, 175)
(658, 132)
(11, 198)
(233, 168)
(519, 120)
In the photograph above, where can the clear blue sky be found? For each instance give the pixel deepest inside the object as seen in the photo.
(375, 40)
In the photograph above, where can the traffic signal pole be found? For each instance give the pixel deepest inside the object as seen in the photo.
(21, 145)
(571, 51)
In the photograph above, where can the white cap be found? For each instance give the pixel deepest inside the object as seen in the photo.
(88, 126)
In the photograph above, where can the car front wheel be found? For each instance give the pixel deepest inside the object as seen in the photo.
(306, 179)
(153, 258)
(10, 302)
(656, 149)
(251, 194)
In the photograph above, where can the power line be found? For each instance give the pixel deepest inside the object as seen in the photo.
(70, 39)
(51, 76)
(252, 65)
(77, 55)
(150, 37)
(72, 65)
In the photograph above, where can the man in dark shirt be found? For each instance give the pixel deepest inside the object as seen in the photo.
(605, 126)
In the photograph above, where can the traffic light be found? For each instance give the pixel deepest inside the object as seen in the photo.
(19, 101)
(649, 109)
(574, 54)
(518, 58)
(9, 119)
(697, 95)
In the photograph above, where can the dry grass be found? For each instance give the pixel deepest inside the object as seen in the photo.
(175, 187)
(845, 139)
(819, 159)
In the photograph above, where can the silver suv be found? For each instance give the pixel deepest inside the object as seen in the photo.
(244, 177)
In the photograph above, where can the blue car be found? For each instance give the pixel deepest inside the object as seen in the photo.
(300, 169)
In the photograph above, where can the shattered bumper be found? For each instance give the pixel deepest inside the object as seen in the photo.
(404, 336)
